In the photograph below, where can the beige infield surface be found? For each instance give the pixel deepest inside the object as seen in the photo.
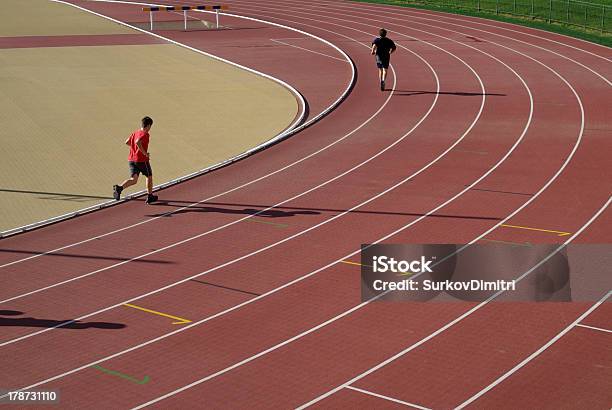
(65, 113)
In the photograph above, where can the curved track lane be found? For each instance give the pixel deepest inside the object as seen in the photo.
(421, 170)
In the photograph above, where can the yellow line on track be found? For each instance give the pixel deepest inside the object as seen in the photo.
(180, 320)
(559, 233)
(355, 263)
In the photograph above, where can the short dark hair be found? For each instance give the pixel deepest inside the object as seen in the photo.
(146, 121)
(382, 32)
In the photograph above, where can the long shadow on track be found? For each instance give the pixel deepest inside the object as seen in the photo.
(49, 323)
(295, 211)
(71, 255)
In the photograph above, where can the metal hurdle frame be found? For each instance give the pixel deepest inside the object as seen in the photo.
(184, 9)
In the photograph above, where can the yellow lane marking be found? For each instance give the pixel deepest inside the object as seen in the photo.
(355, 263)
(559, 233)
(181, 321)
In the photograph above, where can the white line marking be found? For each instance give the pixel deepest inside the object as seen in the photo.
(348, 256)
(468, 20)
(249, 216)
(454, 321)
(310, 51)
(339, 260)
(434, 210)
(355, 252)
(289, 131)
(534, 354)
(595, 328)
(405, 403)
(601, 210)
(417, 15)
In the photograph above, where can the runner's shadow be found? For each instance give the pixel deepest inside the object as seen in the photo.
(82, 256)
(313, 211)
(270, 213)
(458, 93)
(49, 323)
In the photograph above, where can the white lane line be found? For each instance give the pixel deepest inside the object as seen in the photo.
(510, 151)
(310, 51)
(417, 15)
(572, 152)
(582, 115)
(454, 321)
(380, 396)
(433, 104)
(534, 354)
(199, 202)
(557, 175)
(285, 134)
(595, 328)
(346, 313)
(467, 20)
(291, 129)
(330, 264)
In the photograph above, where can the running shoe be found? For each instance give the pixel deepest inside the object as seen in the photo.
(117, 191)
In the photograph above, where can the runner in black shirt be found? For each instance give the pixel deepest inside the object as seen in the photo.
(382, 47)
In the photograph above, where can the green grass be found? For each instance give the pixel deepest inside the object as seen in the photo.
(573, 18)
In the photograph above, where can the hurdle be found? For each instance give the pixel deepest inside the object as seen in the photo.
(184, 9)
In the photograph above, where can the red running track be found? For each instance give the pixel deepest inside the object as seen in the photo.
(488, 125)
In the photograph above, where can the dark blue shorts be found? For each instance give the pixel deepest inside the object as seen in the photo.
(382, 62)
(140, 167)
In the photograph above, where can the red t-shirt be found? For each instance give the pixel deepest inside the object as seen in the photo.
(135, 154)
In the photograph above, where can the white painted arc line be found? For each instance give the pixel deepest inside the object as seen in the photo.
(321, 325)
(292, 282)
(380, 396)
(289, 131)
(575, 147)
(207, 199)
(225, 13)
(454, 321)
(403, 11)
(595, 328)
(582, 117)
(255, 252)
(465, 20)
(216, 229)
(305, 276)
(533, 355)
(219, 227)
(514, 213)
(417, 15)
(253, 215)
(305, 49)
(350, 310)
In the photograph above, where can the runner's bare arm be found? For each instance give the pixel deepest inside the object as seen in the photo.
(373, 49)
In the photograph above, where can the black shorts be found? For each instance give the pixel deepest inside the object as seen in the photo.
(382, 62)
(137, 167)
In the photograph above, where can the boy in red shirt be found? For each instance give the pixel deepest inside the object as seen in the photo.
(138, 161)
